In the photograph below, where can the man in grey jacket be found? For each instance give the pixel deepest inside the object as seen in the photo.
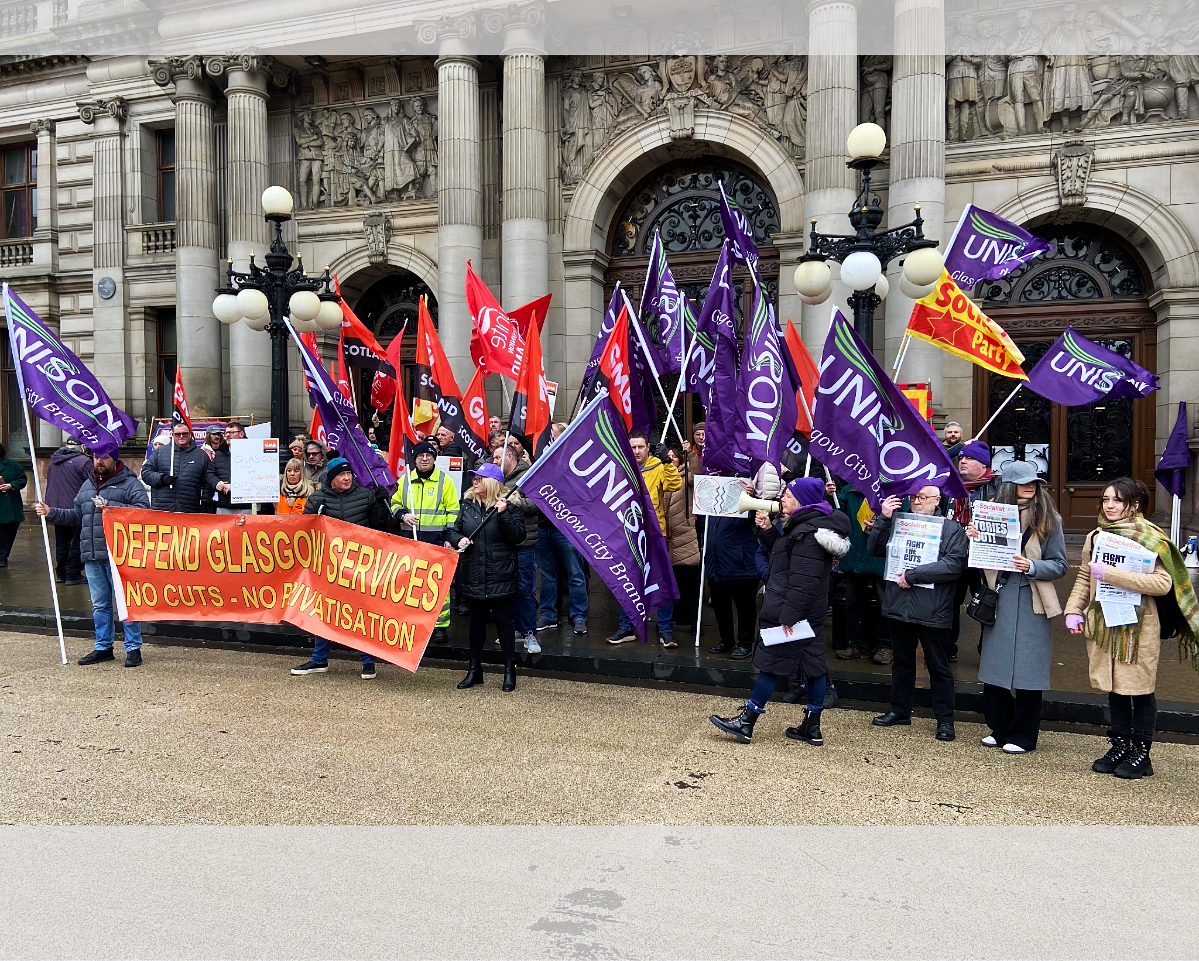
(919, 605)
(111, 484)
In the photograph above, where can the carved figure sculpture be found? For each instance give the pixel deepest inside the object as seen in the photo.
(993, 81)
(876, 82)
(962, 93)
(310, 152)
(400, 176)
(577, 152)
(1025, 72)
(424, 154)
(1068, 74)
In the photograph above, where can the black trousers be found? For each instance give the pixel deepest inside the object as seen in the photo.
(743, 593)
(1013, 718)
(8, 534)
(67, 565)
(1133, 715)
(687, 577)
(498, 609)
(866, 627)
(904, 638)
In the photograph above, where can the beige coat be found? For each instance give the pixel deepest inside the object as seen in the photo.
(1108, 674)
(680, 529)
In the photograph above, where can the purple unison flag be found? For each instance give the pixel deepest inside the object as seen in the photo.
(723, 447)
(737, 229)
(643, 373)
(589, 487)
(766, 409)
(1176, 458)
(1076, 371)
(984, 246)
(601, 341)
(867, 431)
(341, 422)
(59, 388)
(662, 298)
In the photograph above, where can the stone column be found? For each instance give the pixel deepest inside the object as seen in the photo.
(459, 197)
(112, 353)
(45, 238)
(197, 270)
(832, 114)
(918, 177)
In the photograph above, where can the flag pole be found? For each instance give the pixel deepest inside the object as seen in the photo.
(652, 366)
(903, 353)
(1176, 519)
(1007, 401)
(682, 379)
(703, 563)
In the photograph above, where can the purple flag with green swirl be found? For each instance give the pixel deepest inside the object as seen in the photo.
(1076, 371)
(1176, 458)
(984, 246)
(662, 298)
(766, 408)
(737, 229)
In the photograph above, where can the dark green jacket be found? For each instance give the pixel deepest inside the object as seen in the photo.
(859, 559)
(12, 509)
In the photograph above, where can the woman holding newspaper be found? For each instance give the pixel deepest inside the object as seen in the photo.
(1119, 611)
(795, 605)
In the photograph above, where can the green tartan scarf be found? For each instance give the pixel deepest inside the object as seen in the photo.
(1124, 642)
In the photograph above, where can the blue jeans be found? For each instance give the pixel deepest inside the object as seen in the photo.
(665, 620)
(99, 583)
(320, 652)
(552, 547)
(524, 601)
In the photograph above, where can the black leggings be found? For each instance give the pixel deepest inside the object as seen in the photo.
(498, 609)
(1133, 715)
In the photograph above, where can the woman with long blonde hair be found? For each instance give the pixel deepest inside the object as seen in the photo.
(294, 489)
(489, 529)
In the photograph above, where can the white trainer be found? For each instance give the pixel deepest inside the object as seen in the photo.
(1013, 749)
(989, 741)
(531, 645)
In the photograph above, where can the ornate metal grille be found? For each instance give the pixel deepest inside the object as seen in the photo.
(390, 306)
(1029, 418)
(1099, 436)
(1084, 265)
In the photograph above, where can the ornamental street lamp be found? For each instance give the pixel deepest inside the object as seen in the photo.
(865, 254)
(263, 297)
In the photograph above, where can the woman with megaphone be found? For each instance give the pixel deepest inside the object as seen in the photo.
(791, 621)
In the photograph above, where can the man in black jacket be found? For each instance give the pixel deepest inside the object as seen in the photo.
(919, 604)
(180, 475)
(216, 445)
(344, 499)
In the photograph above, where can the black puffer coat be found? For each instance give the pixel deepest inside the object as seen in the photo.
(358, 505)
(488, 566)
(932, 608)
(195, 479)
(801, 558)
(122, 489)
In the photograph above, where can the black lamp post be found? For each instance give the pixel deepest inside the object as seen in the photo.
(264, 296)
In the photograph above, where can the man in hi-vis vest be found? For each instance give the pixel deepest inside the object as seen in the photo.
(426, 503)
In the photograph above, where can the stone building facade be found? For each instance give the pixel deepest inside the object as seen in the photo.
(551, 171)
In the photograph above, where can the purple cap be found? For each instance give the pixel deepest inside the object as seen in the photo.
(979, 450)
(491, 471)
(809, 491)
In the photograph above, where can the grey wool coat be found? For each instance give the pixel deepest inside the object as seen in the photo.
(1018, 648)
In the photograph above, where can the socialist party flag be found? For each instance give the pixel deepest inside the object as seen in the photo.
(403, 434)
(661, 298)
(588, 485)
(1176, 458)
(179, 412)
(984, 246)
(57, 386)
(737, 230)
(341, 422)
(474, 410)
(530, 401)
(496, 344)
(948, 319)
(358, 345)
(766, 411)
(867, 431)
(1076, 371)
(722, 455)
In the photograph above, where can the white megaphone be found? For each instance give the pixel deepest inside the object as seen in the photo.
(747, 502)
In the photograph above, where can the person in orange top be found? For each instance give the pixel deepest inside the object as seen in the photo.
(294, 489)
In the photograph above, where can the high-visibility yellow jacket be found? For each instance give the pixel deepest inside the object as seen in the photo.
(660, 476)
(433, 500)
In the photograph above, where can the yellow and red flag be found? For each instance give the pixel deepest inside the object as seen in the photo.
(948, 319)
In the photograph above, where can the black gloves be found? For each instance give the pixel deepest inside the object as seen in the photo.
(170, 480)
(659, 451)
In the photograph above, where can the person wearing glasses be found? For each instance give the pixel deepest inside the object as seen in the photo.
(314, 462)
(180, 475)
(919, 605)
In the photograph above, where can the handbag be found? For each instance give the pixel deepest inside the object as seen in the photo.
(982, 605)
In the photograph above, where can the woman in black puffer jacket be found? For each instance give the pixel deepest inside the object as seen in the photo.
(801, 557)
(488, 567)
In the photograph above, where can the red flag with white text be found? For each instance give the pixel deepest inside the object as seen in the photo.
(614, 367)
(403, 434)
(530, 400)
(179, 412)
(496, 344)
(474, 410)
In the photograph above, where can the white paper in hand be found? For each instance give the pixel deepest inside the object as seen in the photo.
(781, 635)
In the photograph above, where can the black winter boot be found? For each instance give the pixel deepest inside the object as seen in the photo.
(1137, 765)
(809, 730)
(1116, 755)
(741, 726)
(474, 675)
(509, 677)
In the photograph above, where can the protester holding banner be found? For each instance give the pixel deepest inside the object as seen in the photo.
(974, 464)
(867, 633)
(180, 475)
(488, 532)
(1124, 657)
(69, 467)
(12, 507)
(110, 484)
(796, 602)
(1017, 650)
(921, 614)
(294, 489)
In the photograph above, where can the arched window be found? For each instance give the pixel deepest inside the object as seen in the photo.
(1085, 264)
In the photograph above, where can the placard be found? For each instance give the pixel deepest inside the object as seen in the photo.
(1119, 606)
(551, 396)
(454, 468)
(254, 470)
(717, 496)
(915, 541)
(998, 540)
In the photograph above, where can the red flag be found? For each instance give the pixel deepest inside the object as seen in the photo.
(316, 429)
(383, 391)
(359, 345)
(534, 308)
(530, 400)
(474, 408)
(614, 365)
(430, 376)
(339, 372)
(403, 435)
(496, 344)
(809, 374)
(180, 414)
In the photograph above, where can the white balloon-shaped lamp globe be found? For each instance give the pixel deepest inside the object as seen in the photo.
(258, 323)
(304, 326)
(225, 309)
(819, 299)
(277, 201)
(329, 316)
(882, 287)
(861, 270)
(813, 277)
(304, 305)
(923, 266)
(908, 289)
(252, 303)
(866, 140)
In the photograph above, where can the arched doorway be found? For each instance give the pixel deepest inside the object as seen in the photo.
(1094, 283)
(682, 202)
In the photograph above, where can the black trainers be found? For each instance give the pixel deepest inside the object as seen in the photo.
(439, 636)
(133, 658)
(620, 637)
(96, 656)
(368, 672)
(580, 626)
(309, 667)
(740, 653)
(544, 624)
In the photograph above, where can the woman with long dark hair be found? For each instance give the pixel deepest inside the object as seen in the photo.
(1124, 657)
(1017, 650)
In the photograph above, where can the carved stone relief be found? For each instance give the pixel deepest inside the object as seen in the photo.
(376, 224)
(1073, 166)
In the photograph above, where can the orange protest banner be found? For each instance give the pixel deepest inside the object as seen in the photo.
(370, 591)
(948, 319)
